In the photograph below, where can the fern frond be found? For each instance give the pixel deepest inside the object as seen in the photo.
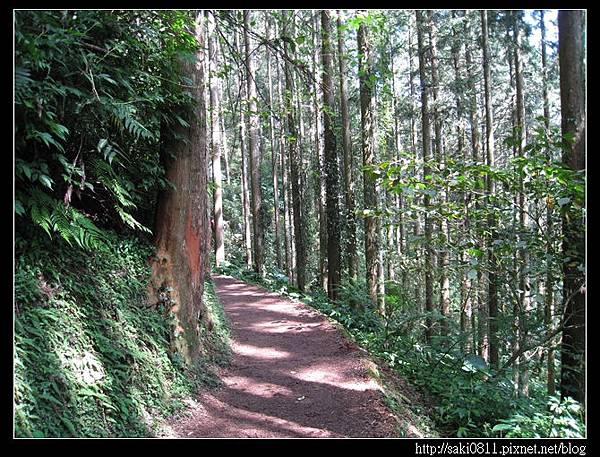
(54, 217)
(123, 116)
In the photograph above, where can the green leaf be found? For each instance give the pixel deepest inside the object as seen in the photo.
(19, 208)
(46, 181)
(501, 427)
(101, 144)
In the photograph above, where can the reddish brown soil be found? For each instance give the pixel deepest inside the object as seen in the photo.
(292, 375)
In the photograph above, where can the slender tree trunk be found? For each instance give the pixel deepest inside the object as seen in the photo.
(367, 117)
(443, 258)
(524, 285)
(572, 100)
(397, 199)
(287, 220)
(274, 158)
(351, 246)
(244, 163)
(426, 129)
(321, 186)
(183, 231)
(254, 153)
(480, 339)
(331, 161)
(225, 147)
(416, 229)
(516, 327)
(215, 109)
(295, 167)
(490, 190)
(549, 282)
(465, 287)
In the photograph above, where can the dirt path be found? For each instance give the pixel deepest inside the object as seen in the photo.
(292, 375)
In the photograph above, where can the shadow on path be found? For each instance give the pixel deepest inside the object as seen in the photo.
(292, 375)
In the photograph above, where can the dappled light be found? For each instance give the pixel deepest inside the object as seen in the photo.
(300, 223)
(319, 388)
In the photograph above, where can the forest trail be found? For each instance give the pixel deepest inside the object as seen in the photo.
(292, 374)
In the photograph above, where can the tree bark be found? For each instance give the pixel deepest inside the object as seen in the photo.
(465, 286)
(254, 153)
(274, 157)
(490, 190)
(182, 226)
(321, 186)
(244, 163)
(524, 284)
(287, 220)
(443, 256)
(478, 319)
(426, 131)
(549, 281)
(367, 117)
(295, 167)
(331, 161)
(572, 100)
(351, 247)
(216, 148)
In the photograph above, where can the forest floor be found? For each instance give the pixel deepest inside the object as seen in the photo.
(292, 374)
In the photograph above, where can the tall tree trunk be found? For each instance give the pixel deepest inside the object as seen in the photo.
(462, 152)
(287, 220)
(572, 100)
(331, 161)
(490, 190)
(274, 158)
(413, 143)
(182, 230)
(351, 247)
(516, 328)
(321, 186)
(295, 166)
(254, 153)
(215, 109)
(426, 129)
(480, 339)
(244, 164)
(395, 236)
(524, 285)
(443, 257)
(367, 118)
(549, 281)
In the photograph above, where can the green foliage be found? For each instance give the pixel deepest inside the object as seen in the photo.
(69, 223)
(93, 90)
(91, 358)
(560, 420)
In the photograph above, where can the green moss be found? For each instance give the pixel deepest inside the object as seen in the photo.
(91, 359)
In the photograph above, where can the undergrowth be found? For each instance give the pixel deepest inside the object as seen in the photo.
(91, 359)
(468, 400)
